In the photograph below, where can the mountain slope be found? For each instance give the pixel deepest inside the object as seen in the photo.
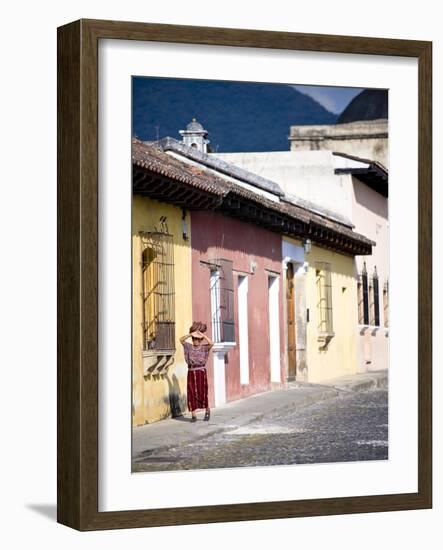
(370, 104)
(238, 116)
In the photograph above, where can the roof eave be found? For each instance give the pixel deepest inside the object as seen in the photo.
(297, 225)
(373, 177)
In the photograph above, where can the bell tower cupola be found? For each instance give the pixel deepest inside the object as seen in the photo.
(195, 136)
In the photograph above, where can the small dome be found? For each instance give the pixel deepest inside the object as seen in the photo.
(195, 126)
(367, 105)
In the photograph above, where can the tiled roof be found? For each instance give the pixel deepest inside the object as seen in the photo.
(156, 161)
(316, 209)
(227, 168)
(153, 158)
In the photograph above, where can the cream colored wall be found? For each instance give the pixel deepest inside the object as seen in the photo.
(365, 138)
(340, 356)
(153, 395)
(308, 175)
(373, 149)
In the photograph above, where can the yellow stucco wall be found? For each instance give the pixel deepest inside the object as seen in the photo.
(340, 356)
(153, 395)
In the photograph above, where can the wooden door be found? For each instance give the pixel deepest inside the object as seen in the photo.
(290, 308)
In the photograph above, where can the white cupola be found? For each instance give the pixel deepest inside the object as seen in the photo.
(195, 136)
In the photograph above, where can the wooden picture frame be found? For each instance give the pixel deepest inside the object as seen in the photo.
(77, 477)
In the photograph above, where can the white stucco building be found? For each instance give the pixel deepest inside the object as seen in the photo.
(364, 138)
(353, 191)
(362, 129)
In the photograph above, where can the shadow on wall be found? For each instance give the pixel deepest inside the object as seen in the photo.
(370, 199)
(176, 401)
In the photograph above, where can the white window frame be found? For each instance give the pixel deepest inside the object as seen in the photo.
(243, 328)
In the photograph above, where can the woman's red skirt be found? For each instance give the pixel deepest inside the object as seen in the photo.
(197, 387)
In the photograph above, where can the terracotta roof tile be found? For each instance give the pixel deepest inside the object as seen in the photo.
(150, 157)
(154, 159)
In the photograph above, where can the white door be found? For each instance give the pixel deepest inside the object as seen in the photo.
(215, 305)
(218, 354)
(274, 329)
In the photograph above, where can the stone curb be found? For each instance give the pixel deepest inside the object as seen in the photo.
(138, 459)
(379, 381)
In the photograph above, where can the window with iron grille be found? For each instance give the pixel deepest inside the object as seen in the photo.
(376, 315)
(365, 296)
(222, 301)
(360, 302)
(158, 293)
(324, 297)
(371, 302)
(386, 303)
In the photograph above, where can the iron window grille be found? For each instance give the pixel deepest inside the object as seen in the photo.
(360, 301)
(365, 295)
(324, 297)
(222, 301)
(371, 302)
(386, 304)
(158, 292)
(376, 315)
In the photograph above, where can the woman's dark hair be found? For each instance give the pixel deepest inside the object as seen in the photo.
(197, 326)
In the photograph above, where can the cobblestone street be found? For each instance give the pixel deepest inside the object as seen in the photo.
(351, 427)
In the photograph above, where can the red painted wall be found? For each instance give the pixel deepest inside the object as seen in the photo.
(216, 236)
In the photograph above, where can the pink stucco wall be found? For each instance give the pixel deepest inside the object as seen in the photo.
(370, 216)
(216, 236)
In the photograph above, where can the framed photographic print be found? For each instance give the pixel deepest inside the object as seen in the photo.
(244, 275)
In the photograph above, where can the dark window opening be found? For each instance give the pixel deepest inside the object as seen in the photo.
(365, 289)
(376, 300)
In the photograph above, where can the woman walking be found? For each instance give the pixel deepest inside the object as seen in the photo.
(196, 356)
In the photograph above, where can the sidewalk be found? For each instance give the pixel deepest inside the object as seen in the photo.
(174, 432)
